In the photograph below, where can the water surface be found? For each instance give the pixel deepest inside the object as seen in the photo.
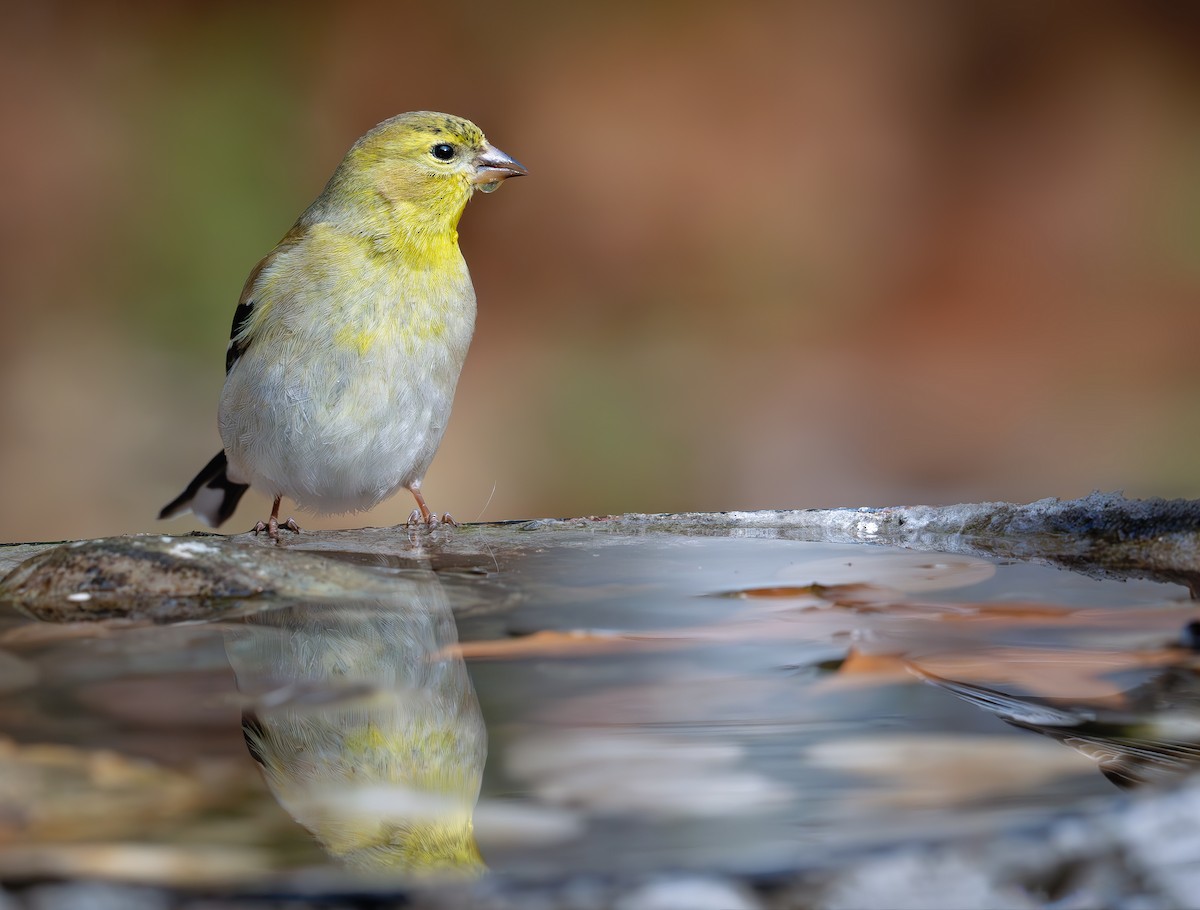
(589, 703)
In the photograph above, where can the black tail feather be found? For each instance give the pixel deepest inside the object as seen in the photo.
(211, 495)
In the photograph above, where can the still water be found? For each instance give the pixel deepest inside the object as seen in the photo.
(582, 703)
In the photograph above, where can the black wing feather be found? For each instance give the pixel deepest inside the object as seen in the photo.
(237, 346)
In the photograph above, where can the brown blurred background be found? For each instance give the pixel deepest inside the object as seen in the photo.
(770, 254)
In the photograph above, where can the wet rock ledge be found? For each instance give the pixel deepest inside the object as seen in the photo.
(168, 579)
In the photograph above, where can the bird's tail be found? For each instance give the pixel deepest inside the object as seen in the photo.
(211, 496)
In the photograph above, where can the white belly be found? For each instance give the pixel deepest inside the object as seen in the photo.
(341, 431)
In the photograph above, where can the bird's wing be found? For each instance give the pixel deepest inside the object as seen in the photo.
(242, 332)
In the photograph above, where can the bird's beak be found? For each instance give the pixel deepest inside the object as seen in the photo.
(492, 166)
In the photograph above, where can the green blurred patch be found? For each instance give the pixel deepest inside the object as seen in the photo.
(215, 188)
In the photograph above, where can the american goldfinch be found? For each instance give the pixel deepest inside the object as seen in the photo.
(349, 337)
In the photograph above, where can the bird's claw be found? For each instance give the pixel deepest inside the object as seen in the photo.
(417, 520)
(272, 527)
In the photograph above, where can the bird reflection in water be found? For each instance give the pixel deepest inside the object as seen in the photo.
(366, 726)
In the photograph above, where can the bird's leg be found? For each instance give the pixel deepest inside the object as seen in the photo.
(429, 519)
(426, 516)
(272, 524)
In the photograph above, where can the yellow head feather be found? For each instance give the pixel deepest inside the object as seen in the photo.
(406, 182)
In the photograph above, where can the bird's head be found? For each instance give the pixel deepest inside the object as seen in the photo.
(427, 163)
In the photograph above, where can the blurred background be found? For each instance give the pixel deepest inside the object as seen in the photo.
(770, 255)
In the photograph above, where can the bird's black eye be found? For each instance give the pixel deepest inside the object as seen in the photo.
(443, 151)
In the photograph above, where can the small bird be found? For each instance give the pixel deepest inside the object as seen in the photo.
(349, 337)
